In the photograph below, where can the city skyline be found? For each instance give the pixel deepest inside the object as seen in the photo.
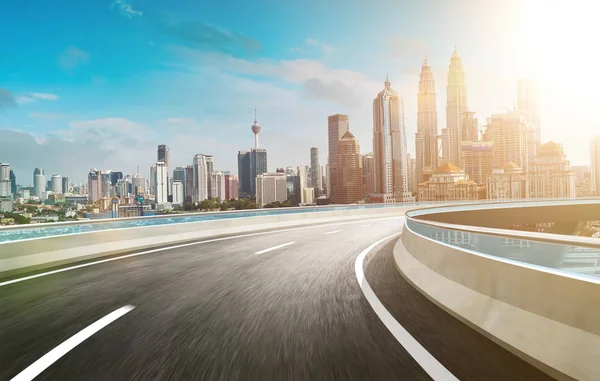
(69, 98)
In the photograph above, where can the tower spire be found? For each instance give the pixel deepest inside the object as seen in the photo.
(387, 81)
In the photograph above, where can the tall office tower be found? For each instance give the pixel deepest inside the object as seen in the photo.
(411, 174)
(178, 197)
(217, 184)
(138, 184)
(250, 164)
(56, 184)
(456, 106)
(368, 165)
(528, 102)
(551, 175)
(94, 186)
(231, 187)
(114, 177)
(271, 187)
(426, 147)
(470, 127)
(39, 183)
(200, 188)
(107, 188)
(389, 146)
(152, 179)
(161, 196)
(65, 185)
(5, 195)
(303, 179)
(315, 171)
(350, 187)
(179, 175)
(478, 160)
(325, 178)
(512, 138)
(337, 126)
(189, 183)
(163, 154)
(121, 189)
(595, 165)
(209, 171)
(13, 184)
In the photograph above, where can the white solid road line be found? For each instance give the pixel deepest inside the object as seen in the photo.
(274, 248)
(6, 283)
(51, 357)
(429, 363)
(333, 232)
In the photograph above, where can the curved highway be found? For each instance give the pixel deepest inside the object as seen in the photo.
(285, 305)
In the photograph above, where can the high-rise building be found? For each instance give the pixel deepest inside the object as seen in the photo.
(427, 125)
(5, 193)
(121, 189)
(271, 187)
(368, 165)
(163, 154)
(595, 165)
(325, 178)
(56, 184)
(294, 192)
(13, 184)
(114, 177)
(315, 171)
(470, 127)
(160, 195)
(528, 103)
(65, 185)
(337, 126)
(350, 187)
(152, 179)
(512, 138)
(189, 183)
(107, 188)
(210, 165)
(39, 183)
(551, 175)
(389, 147)
(138, 184)
(478, 160)
(507, 183)
(231, 187)
(179, 175)
(94, 185)
(200, 187)
(411, 174)
(456, 106)
(217, 184)
(178, 197)
(250, 164)
(448, 183)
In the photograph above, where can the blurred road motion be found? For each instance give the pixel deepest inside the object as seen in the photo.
(280, 306)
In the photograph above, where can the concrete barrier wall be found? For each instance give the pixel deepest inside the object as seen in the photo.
(549, 319)
(27, 255)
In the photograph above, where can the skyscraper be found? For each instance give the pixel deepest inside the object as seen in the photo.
(470, 127)
(179, 175)
(478, 160)
(369, 173)
(210, 165)
(164, 154)
(160, 195)
(217, 184)
(65, 185)
(94, 185)
(56, 184)
(427, 129)
(231, 187)
(178, 197)
(337, 126)
(551, 175)
(271, 187)
(189, 183)
(389, 146)
(350, 187)
(456, 106)
(200, 188)
(595, 165)
(153, 179)
(512, 138)
(5, 195)
(114, 177)
(39, 183)
(315, 170)
(250, 164)
(528, 102)
(13, 184)
(107, 188)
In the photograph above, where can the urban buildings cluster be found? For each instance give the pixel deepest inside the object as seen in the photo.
(502, 159)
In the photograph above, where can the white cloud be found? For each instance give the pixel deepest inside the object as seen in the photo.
(32, 97)
(125, 8)
(73, 57)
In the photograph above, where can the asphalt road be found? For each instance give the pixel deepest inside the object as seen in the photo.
(218, 311)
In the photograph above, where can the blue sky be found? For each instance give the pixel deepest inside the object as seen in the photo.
(100, 83)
